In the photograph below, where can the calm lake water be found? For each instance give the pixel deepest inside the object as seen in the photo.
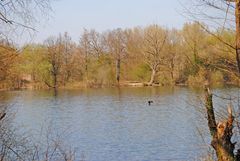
(118, 124)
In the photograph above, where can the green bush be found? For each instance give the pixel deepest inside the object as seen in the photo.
(217, 78)
(198, 79)
(141, 73)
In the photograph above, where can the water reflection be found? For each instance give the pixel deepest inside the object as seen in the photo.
(117, 123)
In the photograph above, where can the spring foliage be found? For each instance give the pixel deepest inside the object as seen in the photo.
(153, 55)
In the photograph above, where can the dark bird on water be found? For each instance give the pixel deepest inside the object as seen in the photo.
(150, 102)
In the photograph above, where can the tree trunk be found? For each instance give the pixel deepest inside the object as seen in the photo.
(150, 83)
(55, 81)
(172, 78)
(221, 133)
(237, 14)
(172, 72)
(118, 66)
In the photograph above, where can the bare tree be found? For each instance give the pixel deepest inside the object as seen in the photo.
(155, 40)
(55, 58)
(19, 15)
(96, 42)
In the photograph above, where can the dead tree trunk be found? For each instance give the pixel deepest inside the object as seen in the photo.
(221, 132)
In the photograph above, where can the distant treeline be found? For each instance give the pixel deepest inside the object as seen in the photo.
(153, 55)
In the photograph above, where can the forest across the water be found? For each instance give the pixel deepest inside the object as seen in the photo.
(98, 124)
(140, 56)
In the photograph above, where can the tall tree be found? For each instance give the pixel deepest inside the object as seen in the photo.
(174, 61)
(8, 54)
(117, 45)
(155, 40)
(85, 49)
(194, 40)
(68, 61)
(96, 42)
(55, 49)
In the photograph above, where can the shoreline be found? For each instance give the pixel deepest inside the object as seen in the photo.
(122, 85)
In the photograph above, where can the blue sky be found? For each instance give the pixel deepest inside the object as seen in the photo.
(74, 15)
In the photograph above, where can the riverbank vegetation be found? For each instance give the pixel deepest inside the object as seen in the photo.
(142, 56)
(151, 55)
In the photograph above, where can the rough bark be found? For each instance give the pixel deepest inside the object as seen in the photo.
(221, 132)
